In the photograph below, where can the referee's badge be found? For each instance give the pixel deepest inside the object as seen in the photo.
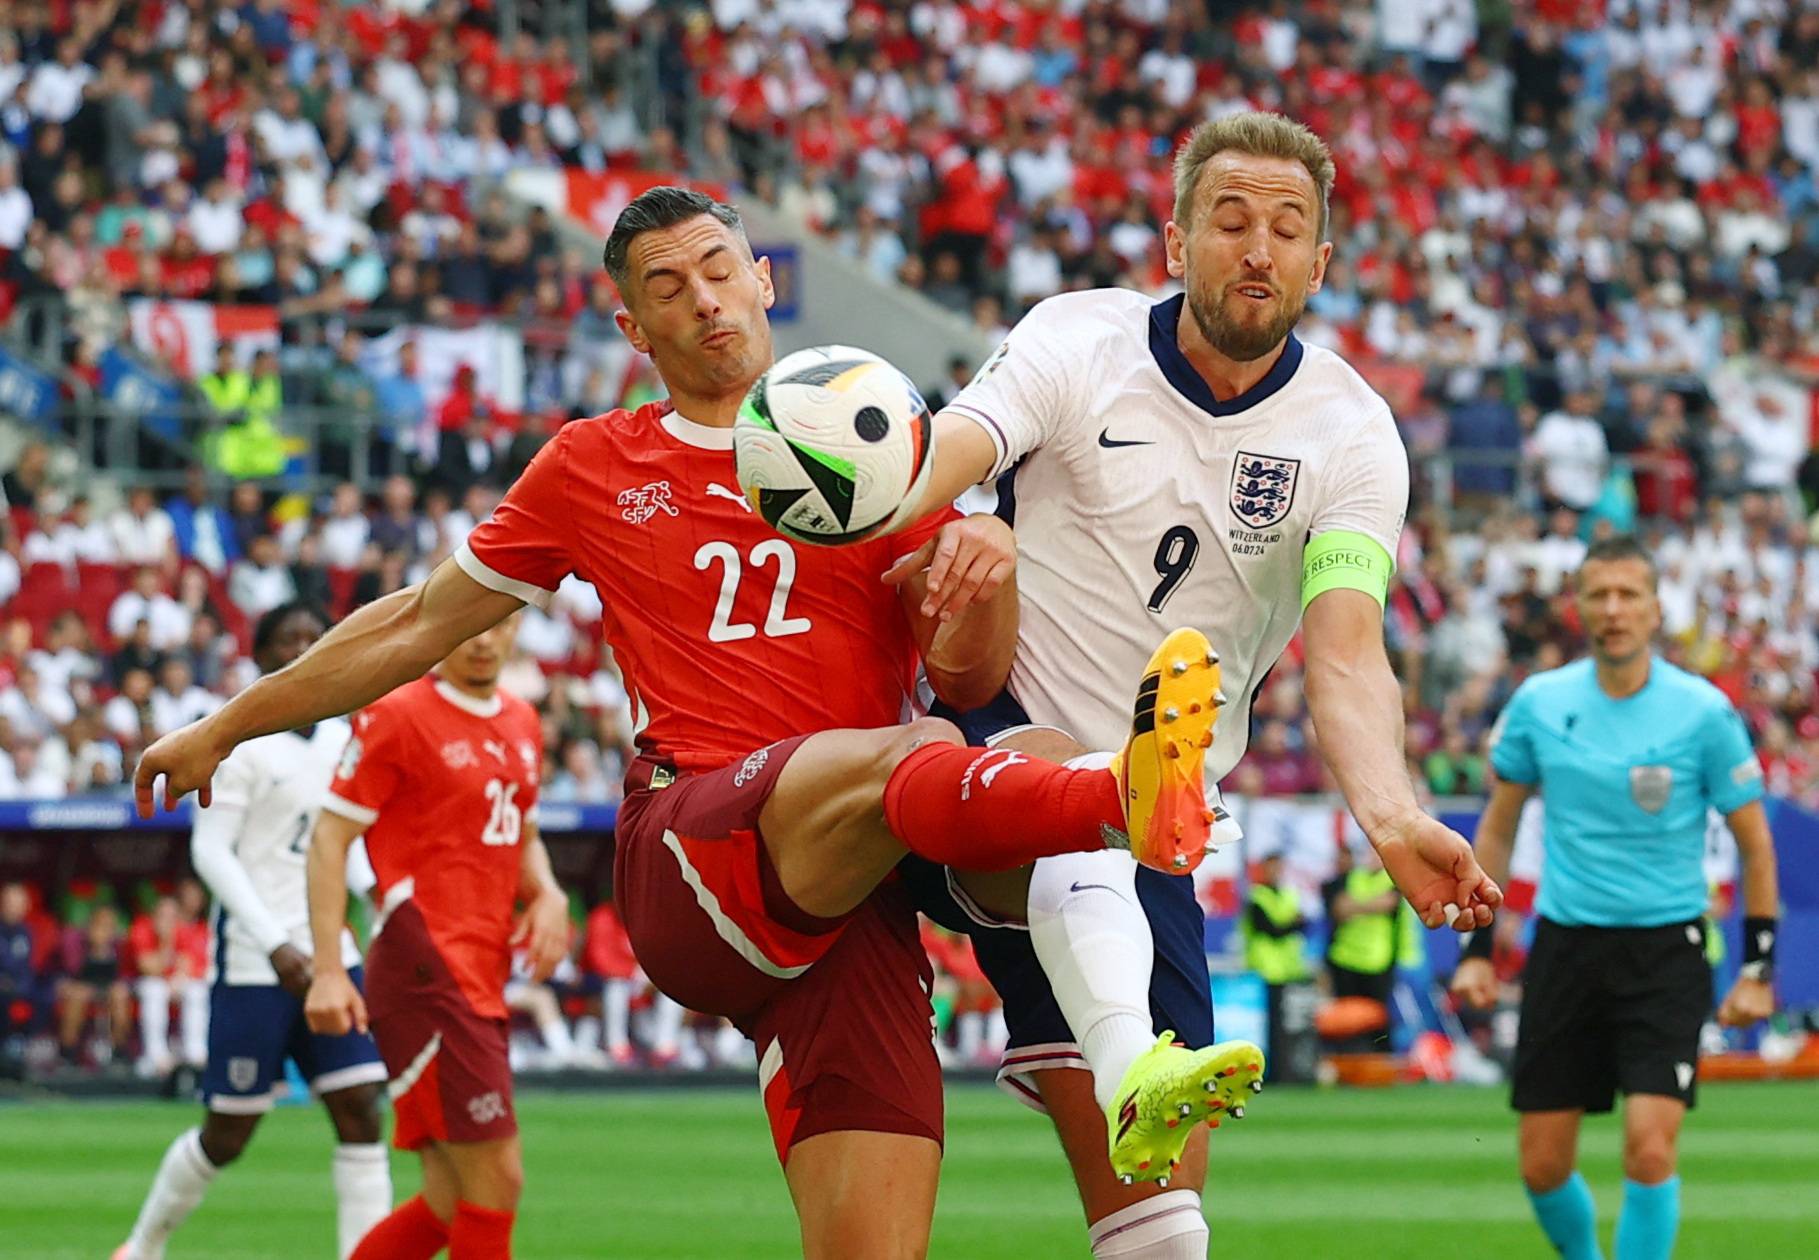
(1650, 786)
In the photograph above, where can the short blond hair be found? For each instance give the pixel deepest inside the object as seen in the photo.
(1260, 135)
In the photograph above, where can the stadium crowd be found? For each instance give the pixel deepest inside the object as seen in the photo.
(1577, 245)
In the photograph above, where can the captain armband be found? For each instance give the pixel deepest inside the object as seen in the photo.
(1344, 559)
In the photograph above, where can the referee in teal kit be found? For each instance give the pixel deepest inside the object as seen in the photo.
(1627, 752)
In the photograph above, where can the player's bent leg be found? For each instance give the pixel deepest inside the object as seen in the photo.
(864, 1196)
(823, 824)
(1650, 1219)
(354, 1112)
(189, 1167)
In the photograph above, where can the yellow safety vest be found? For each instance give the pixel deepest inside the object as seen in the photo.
(1277, 959)
(248, 450)
(1367, 943)
(226, 392)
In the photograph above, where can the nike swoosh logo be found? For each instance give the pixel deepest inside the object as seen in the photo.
(1079, 887)
(1112, 443)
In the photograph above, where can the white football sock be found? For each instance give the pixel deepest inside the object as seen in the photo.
(154, 1016)
(195, 1023)
(587, 1033)
(615, 1010)
(363, 1191)
(1094, 942)
(666, 1025)
(556, 1037)
(1168, 1226)
(183, 1178)
(997, 1034)
(969, 1035)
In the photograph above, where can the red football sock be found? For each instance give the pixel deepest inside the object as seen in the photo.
(993, 809)
(480, 1233)
(411, 1232)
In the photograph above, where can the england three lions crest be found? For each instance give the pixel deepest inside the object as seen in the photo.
(1263, 488)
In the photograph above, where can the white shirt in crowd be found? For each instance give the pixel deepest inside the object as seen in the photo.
(171, 712)
(15, 216)
(170, 620)
(256, 590)
(343, 539)
(1573, 455)
(148, 539)
(55, 91)
(216, 225)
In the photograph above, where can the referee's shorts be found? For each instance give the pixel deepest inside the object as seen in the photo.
(1608, 1009)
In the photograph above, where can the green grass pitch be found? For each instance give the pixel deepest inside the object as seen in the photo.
(1411, 1172)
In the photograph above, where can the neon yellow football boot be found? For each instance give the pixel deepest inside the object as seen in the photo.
(1159, 770)
(1166, 1093)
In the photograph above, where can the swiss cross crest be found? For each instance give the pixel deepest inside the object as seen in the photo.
(459, 754)
(640, 503)
(1263, 488)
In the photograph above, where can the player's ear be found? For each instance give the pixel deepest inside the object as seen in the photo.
(1322, 256)
(633, 333)
(1174, 248)
(767, 288)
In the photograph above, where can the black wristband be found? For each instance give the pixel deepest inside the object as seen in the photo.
(1759, 939)
(1479, 942)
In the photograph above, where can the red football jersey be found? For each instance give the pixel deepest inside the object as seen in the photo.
(729, 636)
(443, 782)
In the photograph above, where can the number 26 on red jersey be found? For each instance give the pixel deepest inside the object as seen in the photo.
(507, 820)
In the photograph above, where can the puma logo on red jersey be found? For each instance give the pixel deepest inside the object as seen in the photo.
(643, 502)
(717, 491)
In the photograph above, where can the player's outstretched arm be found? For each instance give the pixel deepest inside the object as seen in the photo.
(384, 645)
(1356, 704)
(334, 1005)
(962, 457)
(1475, 980)
(1752, 997)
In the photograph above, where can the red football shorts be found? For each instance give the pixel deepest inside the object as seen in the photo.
(451, 1077)
(838, 1008)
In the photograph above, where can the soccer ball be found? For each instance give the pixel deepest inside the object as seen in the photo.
(831, 444)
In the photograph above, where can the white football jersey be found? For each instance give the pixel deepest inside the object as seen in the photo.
(1142, 504)
(274, 785)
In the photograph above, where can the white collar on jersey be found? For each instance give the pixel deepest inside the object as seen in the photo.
(701, 436)
(486, 708)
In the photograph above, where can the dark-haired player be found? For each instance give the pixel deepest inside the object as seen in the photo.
(754, 862)
(249, 848)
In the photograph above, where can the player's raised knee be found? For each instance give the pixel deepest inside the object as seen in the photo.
(903, 740)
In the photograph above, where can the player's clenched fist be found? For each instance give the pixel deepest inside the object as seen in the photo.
(334, 1005)
(967, 560)
(186, 760)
